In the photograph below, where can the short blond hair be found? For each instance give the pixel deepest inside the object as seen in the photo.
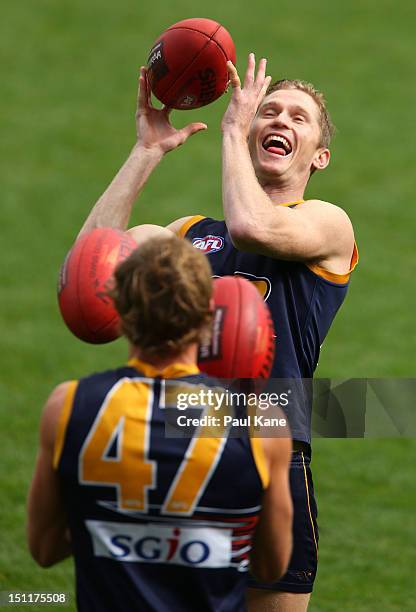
(325, 122)
(162, 293)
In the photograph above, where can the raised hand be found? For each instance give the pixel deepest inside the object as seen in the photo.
(245, 101)
(154, 130)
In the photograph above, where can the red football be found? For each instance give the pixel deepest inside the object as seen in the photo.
(242, 343)
(84, 279)
(187, 64)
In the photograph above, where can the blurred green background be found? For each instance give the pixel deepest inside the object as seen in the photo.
(67, 107)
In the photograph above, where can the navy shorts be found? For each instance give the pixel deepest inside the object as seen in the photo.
(301, 572)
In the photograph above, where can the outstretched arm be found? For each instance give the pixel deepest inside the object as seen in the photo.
(155, 137)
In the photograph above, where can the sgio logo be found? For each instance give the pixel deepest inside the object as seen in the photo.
(154, 543)
(209, 243)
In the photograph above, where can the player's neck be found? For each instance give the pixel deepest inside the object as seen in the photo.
(188, 356)
(284, 189)
(283, 195)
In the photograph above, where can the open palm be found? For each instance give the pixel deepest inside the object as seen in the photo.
(154, 130)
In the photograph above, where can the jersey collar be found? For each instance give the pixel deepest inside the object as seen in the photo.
(174, 370)
(291, 203)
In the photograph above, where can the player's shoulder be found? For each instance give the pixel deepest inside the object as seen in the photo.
(59, 398)
(183, 224)
(316, 204)
(91, 381)
(325, 208)
(331, 215)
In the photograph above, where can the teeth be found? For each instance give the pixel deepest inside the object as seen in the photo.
(282, 139)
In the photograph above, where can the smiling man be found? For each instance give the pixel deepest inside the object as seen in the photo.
(299, 253)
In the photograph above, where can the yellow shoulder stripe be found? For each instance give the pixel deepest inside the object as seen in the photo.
(260, 460)
(188, 224)
(331, 276)
(63, 423)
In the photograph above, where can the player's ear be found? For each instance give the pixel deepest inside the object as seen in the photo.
(321, 159)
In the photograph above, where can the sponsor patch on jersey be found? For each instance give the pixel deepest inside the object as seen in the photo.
(209, 243)
(152, 543)
(212, 350)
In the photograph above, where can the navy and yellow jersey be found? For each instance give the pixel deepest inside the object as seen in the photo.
(303, 301)
(157, 523)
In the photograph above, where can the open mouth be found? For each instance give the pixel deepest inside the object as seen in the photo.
(277, 144)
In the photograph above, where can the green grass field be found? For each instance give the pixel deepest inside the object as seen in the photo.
(67, 105)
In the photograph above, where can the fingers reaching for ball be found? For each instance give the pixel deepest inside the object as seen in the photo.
(154, 130)
(251, 69)
(191, 129)
(233, 76)
(144, 95)
(245, 100)
(259, 81)
(261, 72)
(262, 81)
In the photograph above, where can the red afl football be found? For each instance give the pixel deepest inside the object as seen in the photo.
(242, 342)
(187, 63)
(84, 280)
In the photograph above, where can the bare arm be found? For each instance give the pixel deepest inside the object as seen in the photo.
(155, 137)
(47, 529)
(315, 231)
(272, 543)
(141, 233)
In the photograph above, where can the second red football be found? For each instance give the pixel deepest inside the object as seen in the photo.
(242, 343)
(84, 280)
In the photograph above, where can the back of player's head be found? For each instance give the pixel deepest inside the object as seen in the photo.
(162, 293)
(325, 122)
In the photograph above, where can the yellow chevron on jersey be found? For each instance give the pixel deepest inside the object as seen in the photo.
(261, 283)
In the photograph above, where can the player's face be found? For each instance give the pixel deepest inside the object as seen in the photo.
(284, 137)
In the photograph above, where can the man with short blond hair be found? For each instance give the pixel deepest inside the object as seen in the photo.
(299, 253)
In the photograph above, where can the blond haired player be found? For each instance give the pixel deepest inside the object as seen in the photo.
(300, 253)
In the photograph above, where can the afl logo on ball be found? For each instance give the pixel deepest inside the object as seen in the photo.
(209, 244)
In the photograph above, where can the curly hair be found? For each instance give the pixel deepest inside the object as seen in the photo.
(162, 293)
(325, 122)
